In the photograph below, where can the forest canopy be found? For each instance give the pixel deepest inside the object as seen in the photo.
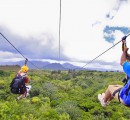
(61, 95)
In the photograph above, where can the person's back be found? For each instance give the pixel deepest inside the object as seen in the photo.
(23, 72)
(21, 78)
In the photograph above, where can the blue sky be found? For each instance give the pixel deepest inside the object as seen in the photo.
(110, 30)
(88, 28)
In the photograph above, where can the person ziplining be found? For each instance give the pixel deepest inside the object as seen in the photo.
(119, 92)
(19, 84)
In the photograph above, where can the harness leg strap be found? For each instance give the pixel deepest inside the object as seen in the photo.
(117, 91)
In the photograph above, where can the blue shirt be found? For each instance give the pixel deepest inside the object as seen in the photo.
(126, 68)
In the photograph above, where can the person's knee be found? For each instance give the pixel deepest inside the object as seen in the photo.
(110, 86)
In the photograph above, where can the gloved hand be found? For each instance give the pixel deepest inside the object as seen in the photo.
(124, 38)
(26, 61)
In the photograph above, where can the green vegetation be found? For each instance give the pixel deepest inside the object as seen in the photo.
(62, 95)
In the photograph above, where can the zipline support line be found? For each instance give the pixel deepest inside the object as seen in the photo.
(12, 45)
(104, 52)
(59, 28)
(17, 50)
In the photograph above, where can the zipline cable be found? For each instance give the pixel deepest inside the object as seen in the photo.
(12, 45)
(59, 28)
(17, 50)
(104, 52)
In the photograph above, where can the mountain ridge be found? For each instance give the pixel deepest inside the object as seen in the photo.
(43, 65)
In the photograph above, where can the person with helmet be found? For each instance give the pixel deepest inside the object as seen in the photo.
(23, 72)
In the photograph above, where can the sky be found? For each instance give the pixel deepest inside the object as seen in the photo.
(88, 28)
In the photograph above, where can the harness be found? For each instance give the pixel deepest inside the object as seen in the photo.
(117, 91)
(125, 80)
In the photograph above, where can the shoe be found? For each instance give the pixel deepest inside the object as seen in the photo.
(27, 94)
(18, 98)
(103, 95)
(100, 98)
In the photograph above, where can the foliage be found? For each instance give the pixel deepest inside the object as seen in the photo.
(62, 95)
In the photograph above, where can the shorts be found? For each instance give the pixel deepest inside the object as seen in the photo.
(28, 88)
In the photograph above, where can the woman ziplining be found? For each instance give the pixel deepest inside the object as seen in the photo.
(119, 92)
(21, 75)
(19, 84)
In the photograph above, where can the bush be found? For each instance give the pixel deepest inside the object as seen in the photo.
(71, 108)
(35, 100)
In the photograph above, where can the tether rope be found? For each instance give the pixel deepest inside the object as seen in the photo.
(103, 52)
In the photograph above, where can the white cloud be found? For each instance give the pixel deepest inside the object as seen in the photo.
(27, 17)
(82, 25)
(9, 57)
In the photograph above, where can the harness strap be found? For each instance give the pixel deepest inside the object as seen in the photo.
(117, 91)
(119, 96)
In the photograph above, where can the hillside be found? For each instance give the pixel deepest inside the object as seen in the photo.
(42, 65)
(10, 67)
(54, 66)
(65, 95)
